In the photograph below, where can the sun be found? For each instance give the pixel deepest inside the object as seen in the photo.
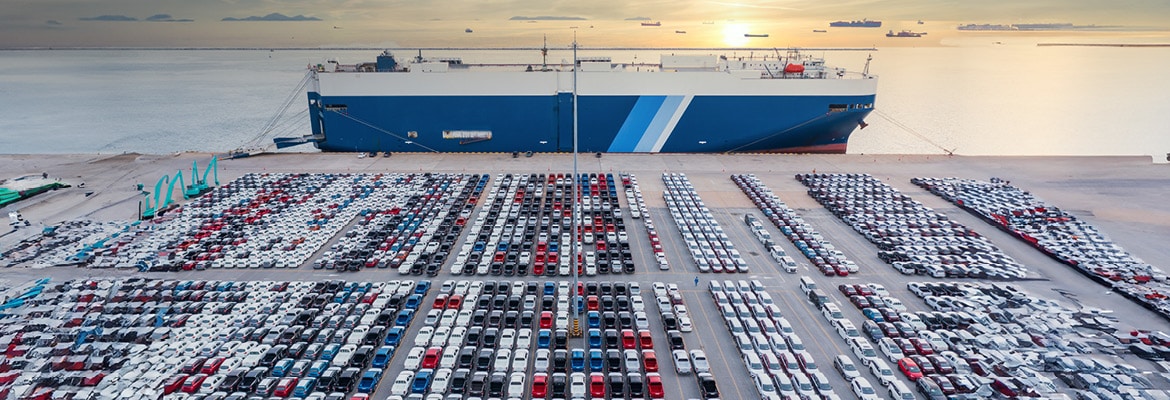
(733, 34)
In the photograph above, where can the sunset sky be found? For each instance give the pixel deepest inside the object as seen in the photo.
(311, 23)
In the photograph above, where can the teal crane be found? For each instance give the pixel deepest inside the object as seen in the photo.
(199, 183)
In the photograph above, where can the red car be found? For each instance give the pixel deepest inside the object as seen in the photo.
(923, 346)
(628, 340)
(440, 302)
(284, 388)
(597, 385)
(654, 386)
(192, 384)
(546, 320)
(454, 302)
(431, 358)
(591, 303)
(650, 360)
(539, 386)
(910, 369)
(173, 384)
(645, 340)
(212, 366)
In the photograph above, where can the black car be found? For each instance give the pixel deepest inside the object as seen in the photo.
(707, 385)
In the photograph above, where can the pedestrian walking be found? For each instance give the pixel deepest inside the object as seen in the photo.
(696, 281)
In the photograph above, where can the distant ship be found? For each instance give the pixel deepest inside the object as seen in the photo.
(468, 30)
(986, 27)
(708, 22)
(680, 31)
(865, 23)
(819, 31)
(920, 22)
(905, 34)
(1025, 27)
(755, 35)
(656, 23)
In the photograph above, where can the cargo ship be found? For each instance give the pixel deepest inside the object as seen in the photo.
(905, 33)
(683, 104)
(865, 23)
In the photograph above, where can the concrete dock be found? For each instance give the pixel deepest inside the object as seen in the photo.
(1125, 197)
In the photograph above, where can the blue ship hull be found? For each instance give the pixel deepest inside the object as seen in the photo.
(607, 123)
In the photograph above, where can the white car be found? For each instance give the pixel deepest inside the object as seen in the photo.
(503, 360)
(541, 362)
(891, 349)
(414, 358)
(863, 389)
(699, 362)
(441, 380)
(440, 336)
(423, 337)
(577, 385)
(520, 359)
(846, 367)
(344, 354)
(682, 363)
(401, 384)
(516, 385)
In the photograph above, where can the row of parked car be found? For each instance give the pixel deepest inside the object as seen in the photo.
(150, 339)
(986, 340)
(260, 221)
(526, 223)
(775, 355)
(1058, 234)
(511, 339)
(807, 240)
(912, 237)
(710, 248)
(675, 319)
(414, 232)
(638, 210)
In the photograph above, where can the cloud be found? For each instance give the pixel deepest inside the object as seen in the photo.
(166, 18)
(638, 19)
(113, 18)
(274, 17)
(546, 18)
(53, 22)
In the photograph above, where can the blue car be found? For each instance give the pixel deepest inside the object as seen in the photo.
(550, 289)
(478, 247)
(594, 318)
(595, 338)
(317, 368)
(422, 287)
(304, 387)
(329, 351)
(577, 360)
(412, 302)
(543, 338)
(404, 317)
(281, 367)
(370, 380)
(422, 381)
(596, 360)
(393, 336)
(382, 357)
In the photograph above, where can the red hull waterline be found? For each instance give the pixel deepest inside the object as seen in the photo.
(833, 148)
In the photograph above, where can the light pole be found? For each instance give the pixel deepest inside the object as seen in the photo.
(576, 200)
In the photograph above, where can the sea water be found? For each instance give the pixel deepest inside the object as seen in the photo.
(979, 96)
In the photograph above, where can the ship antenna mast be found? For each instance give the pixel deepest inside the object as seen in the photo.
(865, 72)
(544, 55)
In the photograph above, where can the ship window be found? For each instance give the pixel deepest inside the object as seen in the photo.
(838, 107)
